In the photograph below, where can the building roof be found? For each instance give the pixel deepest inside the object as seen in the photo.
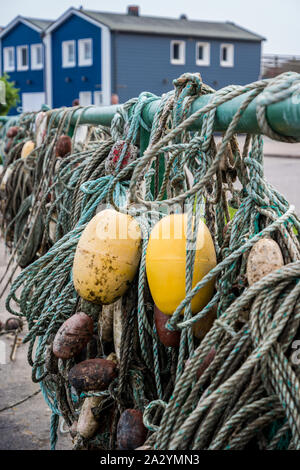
(172, 26)
(38, 24)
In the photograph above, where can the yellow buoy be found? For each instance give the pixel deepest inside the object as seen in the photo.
(166, 260)
(107, 257)
(27, 148)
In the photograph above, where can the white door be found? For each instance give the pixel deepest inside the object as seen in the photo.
(85, 98)
(32, 101)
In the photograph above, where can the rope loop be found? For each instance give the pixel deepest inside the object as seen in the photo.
(149, 411)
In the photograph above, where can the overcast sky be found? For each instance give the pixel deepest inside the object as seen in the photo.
(277, 20)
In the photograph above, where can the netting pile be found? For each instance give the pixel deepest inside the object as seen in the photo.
(236, 384)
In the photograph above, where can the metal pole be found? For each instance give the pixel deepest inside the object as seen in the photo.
(283, 117)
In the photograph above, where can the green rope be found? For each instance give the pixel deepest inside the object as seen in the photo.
(247, 391)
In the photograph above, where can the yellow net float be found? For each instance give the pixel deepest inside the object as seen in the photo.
(27, 148)
(107, 257)
(166, 261)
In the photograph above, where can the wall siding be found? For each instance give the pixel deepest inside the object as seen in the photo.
(64, 93)
(142, 63)
(18, 36)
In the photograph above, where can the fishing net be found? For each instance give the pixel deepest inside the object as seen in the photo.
(233, 386)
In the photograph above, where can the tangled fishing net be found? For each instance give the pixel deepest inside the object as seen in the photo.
(233, 386)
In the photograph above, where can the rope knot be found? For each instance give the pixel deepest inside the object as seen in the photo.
(191, 81)
(178, 181)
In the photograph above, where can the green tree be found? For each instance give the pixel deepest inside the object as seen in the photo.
(11, 95)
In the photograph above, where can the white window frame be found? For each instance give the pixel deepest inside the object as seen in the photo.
(32, 101)
(82, 61)
(84, 94)
(98, 98)
(20, 66)
(230, 55)
(206, 53)
(6, 66)
(66, 63)
(181, 60)
(33, 53)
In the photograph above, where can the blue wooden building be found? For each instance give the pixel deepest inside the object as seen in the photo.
(89, 55)
(22, 58)
(95, 54)
(78, 58)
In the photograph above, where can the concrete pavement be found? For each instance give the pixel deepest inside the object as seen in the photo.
(273, 148)
(25, 426)
(284, 175)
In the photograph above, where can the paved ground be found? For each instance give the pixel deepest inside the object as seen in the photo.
(273, 148)
(284, 175)
(282, 168)
(26, 426)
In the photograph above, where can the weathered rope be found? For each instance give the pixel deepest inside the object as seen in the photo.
(247, 391)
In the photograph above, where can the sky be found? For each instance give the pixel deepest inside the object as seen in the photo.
(276, 20)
